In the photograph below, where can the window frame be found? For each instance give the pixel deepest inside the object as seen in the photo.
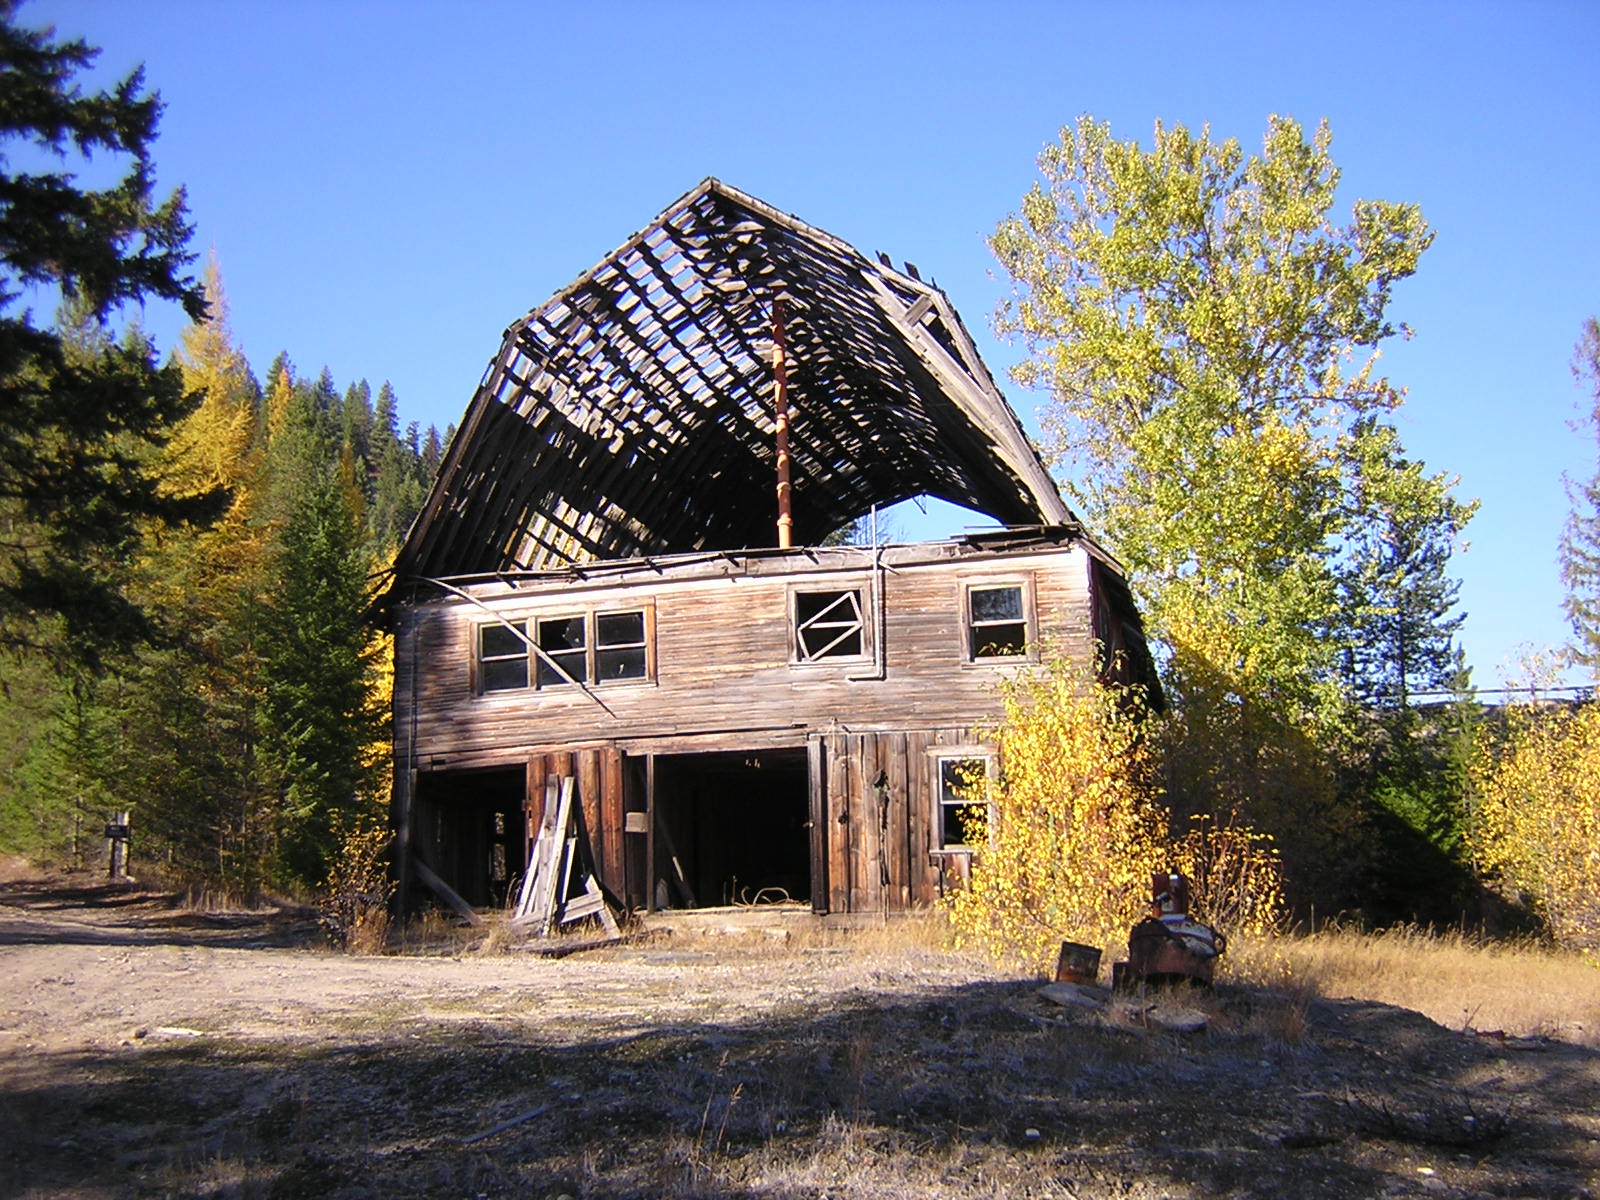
(938, 756)
(590, 615)
(1030, 623)
(863, 628)
(481, 661)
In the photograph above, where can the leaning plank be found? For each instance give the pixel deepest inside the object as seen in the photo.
(445, 892)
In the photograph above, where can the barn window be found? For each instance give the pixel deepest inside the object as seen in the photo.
(997, 620)
(563, 643)
(503, 656)
(828, 625)
(578, 648)
(962, 779)
(621, 648)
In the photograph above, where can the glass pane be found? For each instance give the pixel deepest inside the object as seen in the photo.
(993, 641)
(619, 629)
(996, 604)
(956, 819)
(573, 662)
(504, 673)
(958, 777)
(561, 633)
(497, 641)
(621, 664)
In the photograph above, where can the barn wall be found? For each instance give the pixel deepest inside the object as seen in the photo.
(722, 664)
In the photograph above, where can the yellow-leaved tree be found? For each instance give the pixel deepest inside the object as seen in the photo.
(1076, 824)
(1536, 823)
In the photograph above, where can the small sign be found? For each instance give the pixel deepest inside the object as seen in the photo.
(636, 822)
(117, 833)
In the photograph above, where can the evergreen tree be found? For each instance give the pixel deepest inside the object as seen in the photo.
(1398, 597)
(317, 667)
(76, 436)
(1579, 551)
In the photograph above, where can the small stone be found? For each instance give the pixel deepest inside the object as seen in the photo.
(1179, 1020)
(1070, 995)
(1031, 1134)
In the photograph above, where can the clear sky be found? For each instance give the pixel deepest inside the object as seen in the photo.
(389, 185)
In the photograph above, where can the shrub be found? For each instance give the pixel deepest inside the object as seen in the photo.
(354, 899)
(1536, 824)
(1076, 828)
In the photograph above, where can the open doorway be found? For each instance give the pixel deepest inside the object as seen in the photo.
(732, 828)
(471, 831)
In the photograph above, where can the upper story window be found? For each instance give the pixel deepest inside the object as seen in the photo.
(502, 656)
(997, 620)
(828, 625)
(572, 649)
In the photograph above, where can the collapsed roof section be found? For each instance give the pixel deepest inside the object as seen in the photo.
(632, 414)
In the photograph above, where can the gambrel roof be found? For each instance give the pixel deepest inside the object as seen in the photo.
(631, 414)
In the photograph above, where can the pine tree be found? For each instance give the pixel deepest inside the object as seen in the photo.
(1579, 551)
(317, 668)
(76, 436)
(1398, 597)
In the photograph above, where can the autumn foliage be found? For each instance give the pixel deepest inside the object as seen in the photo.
(1078, 824)
(1535, 824)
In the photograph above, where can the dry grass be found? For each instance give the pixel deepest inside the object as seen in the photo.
(1521, 989)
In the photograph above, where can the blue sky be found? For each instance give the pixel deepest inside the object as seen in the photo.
(388, 185)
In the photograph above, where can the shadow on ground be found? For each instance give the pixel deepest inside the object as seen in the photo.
(981, 1090)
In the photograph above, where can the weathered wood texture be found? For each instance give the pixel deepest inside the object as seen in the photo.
(632, 412)
(723, 651)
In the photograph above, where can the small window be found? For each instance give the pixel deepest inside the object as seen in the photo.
(828, 625)
(563, 644)
(997, 621)
(620, 646)
(961, 791)
(503, 656)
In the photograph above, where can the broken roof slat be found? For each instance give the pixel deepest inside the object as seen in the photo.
(652, 361)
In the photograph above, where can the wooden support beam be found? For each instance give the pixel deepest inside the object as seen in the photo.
(445, 892)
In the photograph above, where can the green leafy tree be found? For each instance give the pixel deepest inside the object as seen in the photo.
(1209, 337)
(1580, 538)
(77, 432)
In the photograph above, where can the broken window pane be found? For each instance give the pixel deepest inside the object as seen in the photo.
(828, 625)
(563, 642)
(997, 626)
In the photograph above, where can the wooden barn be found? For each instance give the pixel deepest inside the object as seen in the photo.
(621, 578)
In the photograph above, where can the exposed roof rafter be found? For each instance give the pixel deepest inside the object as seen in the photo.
(631, 413)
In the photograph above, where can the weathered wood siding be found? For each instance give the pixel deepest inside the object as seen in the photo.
(881, 849)
(722, 661)
(722, 678)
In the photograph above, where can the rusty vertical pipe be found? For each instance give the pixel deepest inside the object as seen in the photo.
(780, 404)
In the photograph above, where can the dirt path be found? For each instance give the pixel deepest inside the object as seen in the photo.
(145, 1051)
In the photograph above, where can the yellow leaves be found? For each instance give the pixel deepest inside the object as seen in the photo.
(1536, 824)
(1079, 827)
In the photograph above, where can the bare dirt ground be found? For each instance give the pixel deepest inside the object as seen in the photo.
(146, 1051)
